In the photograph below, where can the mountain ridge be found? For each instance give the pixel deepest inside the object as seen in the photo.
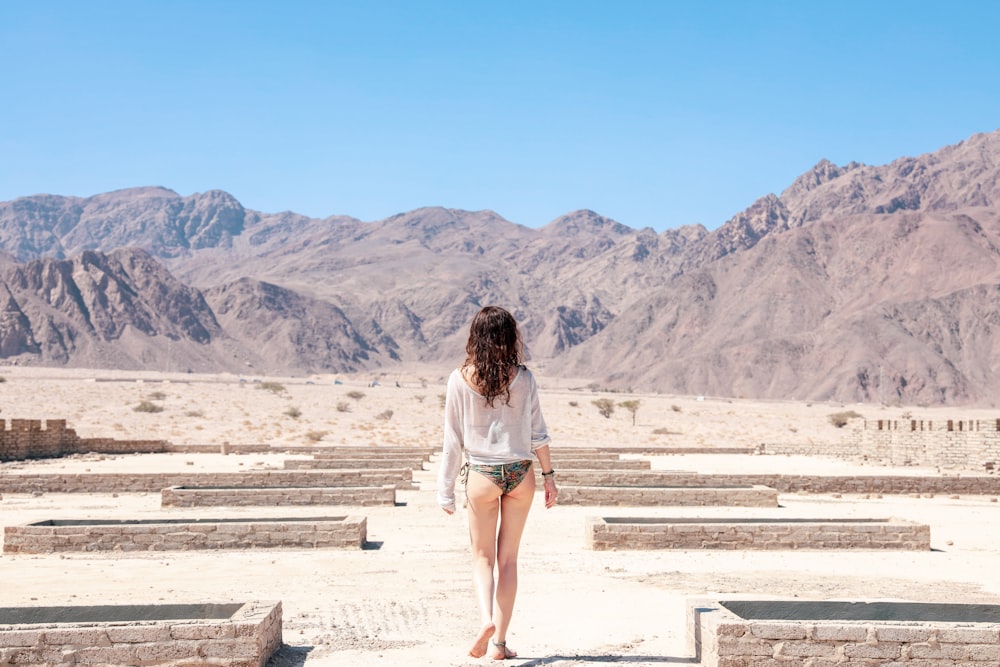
(844, 286)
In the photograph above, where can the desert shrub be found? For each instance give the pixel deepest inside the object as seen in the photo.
(442, 399)
(194, 413)
(273, 387)
(841, 419)
(420, 398)
(355, 394)
(315, 436)
(632, 406)
(384, 416)
(664, 431)
(343, 406)
(605, 406)
(2, 379)
(148, 406)
(675, 408)
(293, 412)
(156, 396)
(573, 404)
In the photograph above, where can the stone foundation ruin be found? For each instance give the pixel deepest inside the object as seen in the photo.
(87, 535)
(38, 439)
(730, 496)
(736, 633)
(235, 635)
(276, 496)
(613, 533)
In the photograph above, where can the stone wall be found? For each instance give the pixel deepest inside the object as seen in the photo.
(604, 533)
(156, 482)
(36, 439)
(185, 535)
(719, 638)
(950, 444)
(596, 463)
(863, 484)
(729, 496)
(186, 496)
(247, 639)
(374, 463)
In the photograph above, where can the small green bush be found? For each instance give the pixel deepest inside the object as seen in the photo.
(147, 406)
(605, 406)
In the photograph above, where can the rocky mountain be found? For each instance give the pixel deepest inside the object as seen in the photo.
(856, 283)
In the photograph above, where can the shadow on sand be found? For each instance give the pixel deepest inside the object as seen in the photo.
(603, 659)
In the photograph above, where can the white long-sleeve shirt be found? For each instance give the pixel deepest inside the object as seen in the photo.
(490, 435)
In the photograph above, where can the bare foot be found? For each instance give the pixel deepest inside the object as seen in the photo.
(501, 652)
(479, 646)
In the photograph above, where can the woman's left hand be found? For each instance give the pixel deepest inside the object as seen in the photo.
(550, 491)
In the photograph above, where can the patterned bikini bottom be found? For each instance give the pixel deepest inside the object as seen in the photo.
(507, 476)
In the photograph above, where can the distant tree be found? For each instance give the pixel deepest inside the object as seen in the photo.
(632, 406)
(605, 406)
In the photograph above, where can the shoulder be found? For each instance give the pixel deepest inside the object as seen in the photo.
(526, 374)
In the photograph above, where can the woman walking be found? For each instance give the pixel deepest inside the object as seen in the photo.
(492, 414)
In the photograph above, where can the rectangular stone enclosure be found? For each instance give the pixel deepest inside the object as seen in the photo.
(610, 533)
(226, 496)
(729, 496)
(736, 633)
(235, 635)
(342, 532)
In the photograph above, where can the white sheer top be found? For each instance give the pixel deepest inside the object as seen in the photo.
(504, 433)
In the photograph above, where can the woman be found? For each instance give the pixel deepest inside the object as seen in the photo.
(492, 413)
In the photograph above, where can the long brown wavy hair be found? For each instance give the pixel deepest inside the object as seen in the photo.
(493, 351)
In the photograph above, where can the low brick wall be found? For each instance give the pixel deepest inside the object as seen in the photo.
(917, 634)
(352, 464)
(185, 534)
(888, 484)
(348, 452)
(401, 478)
(612, 533)
(729, 496)
(186, 496)
(599, 464)
(236, 635)
(51, 438)
(653, 450)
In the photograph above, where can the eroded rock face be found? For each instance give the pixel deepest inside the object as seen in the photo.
(857, 282)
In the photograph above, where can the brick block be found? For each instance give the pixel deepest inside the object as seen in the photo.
(778, 630)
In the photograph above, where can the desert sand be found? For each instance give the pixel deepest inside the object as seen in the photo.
(408, 599)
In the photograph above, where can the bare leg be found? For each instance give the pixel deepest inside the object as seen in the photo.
(514, 509)
(484, 509)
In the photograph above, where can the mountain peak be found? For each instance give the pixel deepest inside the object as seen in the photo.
(585, 222)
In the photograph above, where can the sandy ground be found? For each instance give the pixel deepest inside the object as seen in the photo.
(408, 599)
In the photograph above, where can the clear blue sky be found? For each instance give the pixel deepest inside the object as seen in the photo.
(657, 114)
